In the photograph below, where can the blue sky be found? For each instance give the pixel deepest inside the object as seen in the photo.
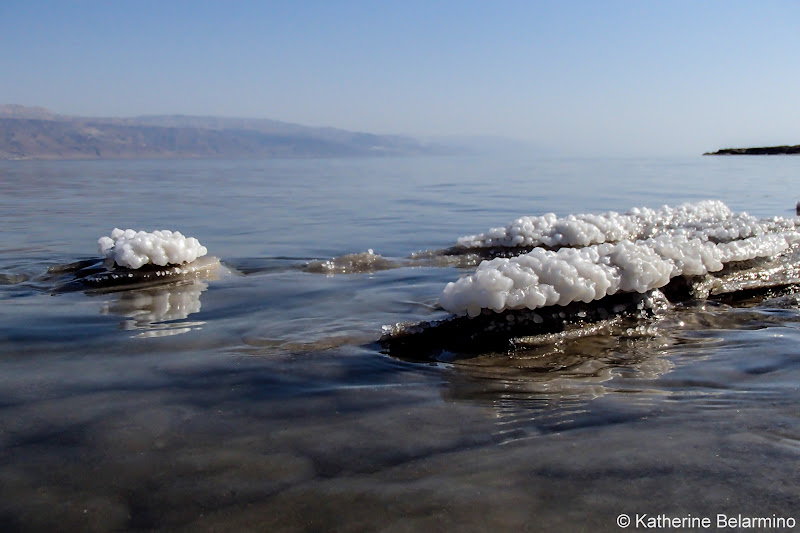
(627, 78)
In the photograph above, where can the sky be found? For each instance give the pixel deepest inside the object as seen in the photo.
(583, 78)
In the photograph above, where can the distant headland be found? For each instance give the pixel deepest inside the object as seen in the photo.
(37, 133)
(766, 150)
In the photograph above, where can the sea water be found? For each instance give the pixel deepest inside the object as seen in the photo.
(259, 398)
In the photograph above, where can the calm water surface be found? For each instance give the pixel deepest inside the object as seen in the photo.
(260, 400)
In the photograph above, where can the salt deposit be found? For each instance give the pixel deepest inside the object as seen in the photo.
(207, 267)
(543, 277)
(362, 262)
(706, 220)
(132, 249)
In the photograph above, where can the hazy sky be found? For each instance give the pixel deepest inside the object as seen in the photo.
(634, 77)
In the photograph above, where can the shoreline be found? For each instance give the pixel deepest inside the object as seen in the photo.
(766, 150)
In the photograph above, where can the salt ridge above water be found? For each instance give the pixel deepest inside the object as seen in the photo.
(708, 219)
(686, 242)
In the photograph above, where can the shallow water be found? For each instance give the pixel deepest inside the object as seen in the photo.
(260, 399)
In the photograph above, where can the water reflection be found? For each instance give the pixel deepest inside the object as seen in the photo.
(157, 311)
(552, 384)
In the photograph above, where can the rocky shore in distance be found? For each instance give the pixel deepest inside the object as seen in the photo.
(766, 150)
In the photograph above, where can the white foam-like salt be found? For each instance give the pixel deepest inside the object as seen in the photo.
(134, 249)
(691, 240)
(706, 220)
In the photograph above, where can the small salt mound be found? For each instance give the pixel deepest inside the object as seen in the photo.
(362, 262)
(543, 278)
(132, 249)
(709, 219)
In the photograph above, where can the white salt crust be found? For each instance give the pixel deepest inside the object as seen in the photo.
(132, 249)
(685, 247)
(706, 220)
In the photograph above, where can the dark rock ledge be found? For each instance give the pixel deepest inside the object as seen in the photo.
(767, 150)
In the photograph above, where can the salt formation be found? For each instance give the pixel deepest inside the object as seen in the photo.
(691, 240)
(706, 220)
(131, 249)
(362, 262)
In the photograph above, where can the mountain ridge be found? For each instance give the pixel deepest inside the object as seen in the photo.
(38, 133)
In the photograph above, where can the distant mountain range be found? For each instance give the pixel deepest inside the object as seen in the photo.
(38, 133)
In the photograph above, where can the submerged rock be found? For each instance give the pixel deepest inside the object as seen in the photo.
(93, 274)
(498, 332)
